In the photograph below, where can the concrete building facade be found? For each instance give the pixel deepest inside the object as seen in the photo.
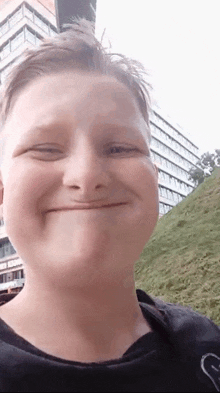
(23, 24)
(174, 154)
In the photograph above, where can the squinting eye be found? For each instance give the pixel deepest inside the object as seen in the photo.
(122, 149)
(48, 150)
(46, 153)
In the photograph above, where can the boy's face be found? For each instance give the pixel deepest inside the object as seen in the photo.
(78, 183)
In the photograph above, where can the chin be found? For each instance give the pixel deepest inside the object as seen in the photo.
(70, 270)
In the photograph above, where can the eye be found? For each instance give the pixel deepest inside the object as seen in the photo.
(47, 150)
(46, 153)
(122, 150)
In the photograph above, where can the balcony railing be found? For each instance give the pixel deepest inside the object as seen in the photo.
(18, 283)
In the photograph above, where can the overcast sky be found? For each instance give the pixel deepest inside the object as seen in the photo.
(178, 41)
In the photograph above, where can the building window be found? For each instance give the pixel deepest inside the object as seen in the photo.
(15, 17)
(28, 13)
(17, 40)
(13, 44)
(39, 22)
(3, 278)
(30, 37)
(18, 274)
(4, 28)
(38, 41)
(161, 208)
(153, 155)
(53, 33)
(5, 51)
(6, 249)
(4, 73)
(153, 142)
(176, 197)
(169, 165)
(10, 276)
(169, 195)
(162, 176)
(166, 208)
(163, 192)
(2, 254)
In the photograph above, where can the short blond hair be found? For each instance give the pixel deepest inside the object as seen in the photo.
(74, 49)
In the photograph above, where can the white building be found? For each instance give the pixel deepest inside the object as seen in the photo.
(24, 24)
(174, 153)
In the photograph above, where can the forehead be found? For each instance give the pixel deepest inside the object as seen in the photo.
(75, 97)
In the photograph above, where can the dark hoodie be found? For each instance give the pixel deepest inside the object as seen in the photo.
(180, 355)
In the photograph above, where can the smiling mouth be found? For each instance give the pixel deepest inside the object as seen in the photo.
(88, 207)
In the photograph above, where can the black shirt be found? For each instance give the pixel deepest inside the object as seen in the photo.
(149, 365)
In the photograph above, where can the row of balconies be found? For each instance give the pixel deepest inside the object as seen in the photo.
(11, 268)
(183, 177)
(10, 285)
(167, 140)
(8, 11)
(174, 187)
(167, 126)
(21, 24)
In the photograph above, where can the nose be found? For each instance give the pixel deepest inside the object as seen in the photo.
(87, 173)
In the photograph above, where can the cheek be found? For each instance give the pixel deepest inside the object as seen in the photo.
(24, 193)
(144, 183)
(24, 188)
(141, 180)
(141, 176)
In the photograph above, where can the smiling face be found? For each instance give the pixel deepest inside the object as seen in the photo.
(80, 190)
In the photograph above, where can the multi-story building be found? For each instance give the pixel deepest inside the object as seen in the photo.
(24, 24)
(174, 154)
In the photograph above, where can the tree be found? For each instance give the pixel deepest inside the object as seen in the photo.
(204, 167)
(196, 175)
(217, 158)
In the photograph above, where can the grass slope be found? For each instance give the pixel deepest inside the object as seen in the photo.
(181, 262)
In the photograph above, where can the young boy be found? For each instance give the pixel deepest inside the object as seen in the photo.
(80, 200)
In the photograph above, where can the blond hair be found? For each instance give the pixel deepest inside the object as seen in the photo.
(76, 48)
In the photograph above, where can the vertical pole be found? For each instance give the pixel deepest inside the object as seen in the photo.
(68, 9)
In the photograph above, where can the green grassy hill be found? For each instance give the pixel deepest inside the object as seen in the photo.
(181, 262)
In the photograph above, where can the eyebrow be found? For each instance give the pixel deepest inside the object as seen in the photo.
(49, 126)
(122, 127)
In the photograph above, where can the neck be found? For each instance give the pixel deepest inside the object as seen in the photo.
(97, 323)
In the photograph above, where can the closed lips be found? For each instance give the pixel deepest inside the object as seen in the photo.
(87, 206)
